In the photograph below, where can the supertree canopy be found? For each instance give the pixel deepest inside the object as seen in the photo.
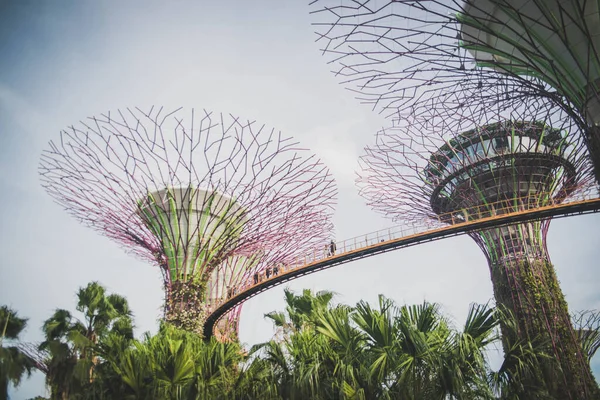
(210, 199)
(450, 167)
(393, 52)
(557, 41)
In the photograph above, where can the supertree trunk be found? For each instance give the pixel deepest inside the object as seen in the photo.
(531, 291)
(438, 68)
(527, 290)
(185, 305)
(208, 198)
(456, 164)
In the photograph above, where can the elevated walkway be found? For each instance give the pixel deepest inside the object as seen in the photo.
(398, 237)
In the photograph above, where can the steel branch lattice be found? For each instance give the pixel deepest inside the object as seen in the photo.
(209, 198)
(397, 54)
(406, 172)
(460, 81)
(393, 52)
(469, 136)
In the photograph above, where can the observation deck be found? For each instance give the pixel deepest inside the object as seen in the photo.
(505, 161)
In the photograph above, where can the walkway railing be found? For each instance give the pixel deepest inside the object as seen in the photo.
(486, 216)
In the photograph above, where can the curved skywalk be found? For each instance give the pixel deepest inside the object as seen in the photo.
(394, 238)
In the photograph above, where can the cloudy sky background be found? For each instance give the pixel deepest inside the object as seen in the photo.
(63, 61)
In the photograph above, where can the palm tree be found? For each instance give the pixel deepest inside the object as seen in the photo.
(412, 353)
(301, 361)
(300, 310)
(217, 367)
(72, 343)
(529, 367)
(408, 352)
(14, 364)
(173, 364)
(256, 380)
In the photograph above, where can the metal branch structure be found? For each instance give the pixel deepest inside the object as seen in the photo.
(395, 52)
(38, 357)
(461, 81)
(588, 331)
(455, 163)
(210, 199)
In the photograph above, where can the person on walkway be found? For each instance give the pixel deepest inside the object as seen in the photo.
(332, 248)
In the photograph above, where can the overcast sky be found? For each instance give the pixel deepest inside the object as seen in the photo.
(62, 61)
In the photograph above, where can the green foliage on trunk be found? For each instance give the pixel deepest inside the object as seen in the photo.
(529, 291)
(185, 305)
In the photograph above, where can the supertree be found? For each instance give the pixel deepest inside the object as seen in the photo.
(449, 163)
(208, 198)
(393, 52)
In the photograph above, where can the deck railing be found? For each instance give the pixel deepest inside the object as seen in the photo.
(460, 217)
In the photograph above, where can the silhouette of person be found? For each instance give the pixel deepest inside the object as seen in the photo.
(332, 248)
(255, 279)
